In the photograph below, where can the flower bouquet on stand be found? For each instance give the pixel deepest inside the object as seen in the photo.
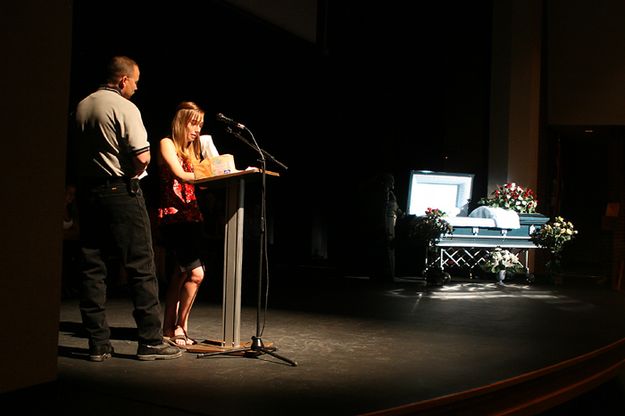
(512, 196)
(427, 229)
(553, 236)
(501, 261)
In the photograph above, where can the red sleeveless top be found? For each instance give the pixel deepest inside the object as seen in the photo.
(177, 199)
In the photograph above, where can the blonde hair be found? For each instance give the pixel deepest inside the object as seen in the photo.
(186, 112)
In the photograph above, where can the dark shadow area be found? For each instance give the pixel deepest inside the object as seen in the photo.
(607, 399)
(75, 329)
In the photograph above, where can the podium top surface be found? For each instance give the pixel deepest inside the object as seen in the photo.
(241, 173)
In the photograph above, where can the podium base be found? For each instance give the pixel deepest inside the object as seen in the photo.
(208, 346)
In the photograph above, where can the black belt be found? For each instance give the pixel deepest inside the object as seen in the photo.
(105, 181)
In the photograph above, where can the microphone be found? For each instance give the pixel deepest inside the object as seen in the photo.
(229, 121)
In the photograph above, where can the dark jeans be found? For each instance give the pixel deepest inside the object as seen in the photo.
(114, 217)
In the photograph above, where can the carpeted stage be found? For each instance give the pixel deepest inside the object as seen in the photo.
(469, 347)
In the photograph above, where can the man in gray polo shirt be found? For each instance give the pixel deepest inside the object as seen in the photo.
(113, 153)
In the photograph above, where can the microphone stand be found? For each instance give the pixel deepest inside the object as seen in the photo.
(257, 346)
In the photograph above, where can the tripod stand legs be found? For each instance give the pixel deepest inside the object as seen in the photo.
(256, 349)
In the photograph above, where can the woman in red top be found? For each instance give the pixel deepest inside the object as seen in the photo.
(181, 219)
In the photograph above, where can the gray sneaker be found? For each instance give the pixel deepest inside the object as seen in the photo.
(158, 352)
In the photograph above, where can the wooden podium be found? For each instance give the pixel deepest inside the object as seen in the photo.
(234, 184)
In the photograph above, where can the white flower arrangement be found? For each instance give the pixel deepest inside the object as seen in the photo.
(499, 260)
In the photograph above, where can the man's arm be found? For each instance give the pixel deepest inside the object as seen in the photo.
(141, 161)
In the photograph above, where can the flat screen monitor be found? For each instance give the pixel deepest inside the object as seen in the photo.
(449, 192)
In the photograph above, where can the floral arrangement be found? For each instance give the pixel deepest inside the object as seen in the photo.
(430, 226)
(502, 260)
(512, 196)
(554, 235)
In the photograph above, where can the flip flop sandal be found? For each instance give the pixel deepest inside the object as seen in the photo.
(187, 339)
(172, 340)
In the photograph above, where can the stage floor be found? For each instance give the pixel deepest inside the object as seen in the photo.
(361, 347)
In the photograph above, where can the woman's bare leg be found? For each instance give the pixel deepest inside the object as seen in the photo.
(172, 300)
(188, 293)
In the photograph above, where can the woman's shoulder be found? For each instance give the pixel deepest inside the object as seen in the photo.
(167, 151)
(167, 144)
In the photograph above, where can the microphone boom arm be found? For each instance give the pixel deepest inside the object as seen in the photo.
(263, 152)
